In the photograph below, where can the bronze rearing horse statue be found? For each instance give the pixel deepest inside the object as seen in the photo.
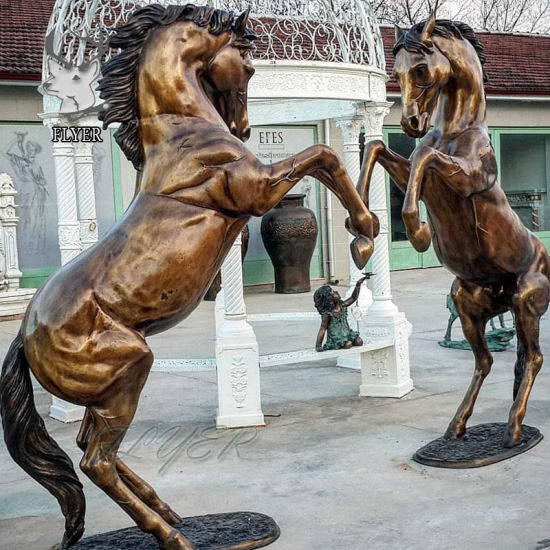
(179, 89)
(499, 264)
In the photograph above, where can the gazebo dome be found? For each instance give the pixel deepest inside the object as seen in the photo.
(307, 49)
(340, 31)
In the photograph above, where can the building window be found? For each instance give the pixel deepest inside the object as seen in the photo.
(525, 174)
(403, 145)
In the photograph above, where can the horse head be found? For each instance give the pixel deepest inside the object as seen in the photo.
(431, 57)
(422, 71)
(185, 61)
(226, 79)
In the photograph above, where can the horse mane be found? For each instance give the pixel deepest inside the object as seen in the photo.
(445, 28)
(118, 85)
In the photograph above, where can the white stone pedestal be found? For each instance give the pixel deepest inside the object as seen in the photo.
(237, 353)
(65, 411)
(14, 302)
(238, 369)
(13, 299)
(385, 372)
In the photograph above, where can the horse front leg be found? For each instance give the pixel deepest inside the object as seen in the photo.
(324, 164)
(418, 232)
(464, 175)
(397, 167)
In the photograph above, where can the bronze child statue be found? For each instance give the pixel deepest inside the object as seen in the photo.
(334, 318)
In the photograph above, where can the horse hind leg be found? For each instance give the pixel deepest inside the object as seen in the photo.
(146, 493)
(136, 484)
(529, 303)
(519, 367)
(105, 431)
(474, 309)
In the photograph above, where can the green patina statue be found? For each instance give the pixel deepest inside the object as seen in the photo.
(334, 318)
(498, 339)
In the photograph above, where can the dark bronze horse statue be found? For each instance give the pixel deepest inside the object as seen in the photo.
(499, 264)
(179, 90)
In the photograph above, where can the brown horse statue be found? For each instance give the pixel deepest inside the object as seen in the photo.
(179, 89)
(499, 264)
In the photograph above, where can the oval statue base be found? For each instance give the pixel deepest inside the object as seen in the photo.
(482, 445)
(231, 531)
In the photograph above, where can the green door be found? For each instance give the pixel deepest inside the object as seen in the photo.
(402, 254)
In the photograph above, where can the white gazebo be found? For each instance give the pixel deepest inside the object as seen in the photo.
(315, 60)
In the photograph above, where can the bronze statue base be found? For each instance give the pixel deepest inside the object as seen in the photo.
(482, 445)
(497, 340)
(213, 532)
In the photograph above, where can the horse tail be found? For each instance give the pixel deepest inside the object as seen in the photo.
(30, 445)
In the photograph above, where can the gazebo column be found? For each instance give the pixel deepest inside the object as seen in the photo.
(87, 217)
(237, 354)
(385, 372)
(351, 128)
(69, 241)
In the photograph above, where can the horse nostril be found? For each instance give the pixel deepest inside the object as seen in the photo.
(246, 133)
(414, 122)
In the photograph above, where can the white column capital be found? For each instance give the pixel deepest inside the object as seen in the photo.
(373, 114)
(351, 128)
(51, 120)
(83, 151)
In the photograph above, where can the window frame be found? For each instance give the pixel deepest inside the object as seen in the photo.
(495, 132)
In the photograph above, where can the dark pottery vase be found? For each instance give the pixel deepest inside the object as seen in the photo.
(289, 233)
(216, 284)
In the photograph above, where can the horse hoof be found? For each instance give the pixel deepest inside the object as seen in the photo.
(177, 541)
(454, 433)
(512, 439)
(421, 238)
(350, 228)
(361, 251)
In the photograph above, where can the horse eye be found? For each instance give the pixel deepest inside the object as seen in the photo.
(421, 75)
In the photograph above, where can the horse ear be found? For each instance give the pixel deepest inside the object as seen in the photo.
(399, 32)
(241, 22)
(429, 26)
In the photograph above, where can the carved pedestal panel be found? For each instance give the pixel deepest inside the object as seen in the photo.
(385, 372)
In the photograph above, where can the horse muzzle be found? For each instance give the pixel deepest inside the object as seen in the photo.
(416, 125)
(243, 134)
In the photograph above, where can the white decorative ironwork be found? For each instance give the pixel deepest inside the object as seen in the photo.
(341, 31)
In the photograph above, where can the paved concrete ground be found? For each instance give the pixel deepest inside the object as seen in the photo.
(333, 469)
